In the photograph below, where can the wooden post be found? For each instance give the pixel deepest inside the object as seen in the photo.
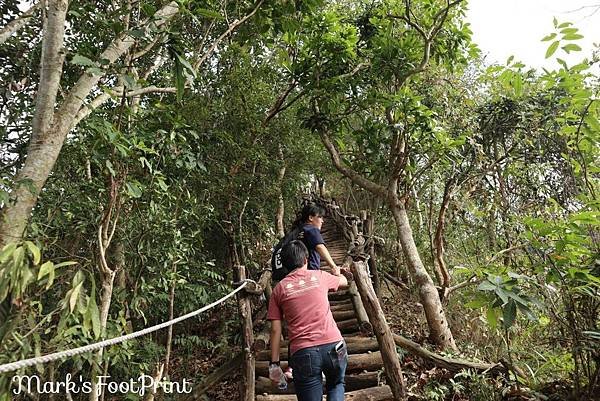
(391, 361)
(361, 314)
(369, 232)
(248, 341)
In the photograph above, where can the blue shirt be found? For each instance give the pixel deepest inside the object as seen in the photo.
(311, 238)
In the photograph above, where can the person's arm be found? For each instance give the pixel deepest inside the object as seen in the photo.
(343, 281)
(322, 250)
(275, 372)
(275, 339)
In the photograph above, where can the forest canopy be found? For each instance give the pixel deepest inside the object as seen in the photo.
(149, 148)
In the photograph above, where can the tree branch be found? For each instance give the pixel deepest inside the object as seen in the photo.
(70, 107)
(86, 110)
(230, 29)
(148, 47)
(350, 173)
(19, 22)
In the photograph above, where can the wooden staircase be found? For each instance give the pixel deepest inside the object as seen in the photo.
(364, 374)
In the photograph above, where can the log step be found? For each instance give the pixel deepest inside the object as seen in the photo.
(370, 361)
(356, 345)
(382, 393)
(354, 382)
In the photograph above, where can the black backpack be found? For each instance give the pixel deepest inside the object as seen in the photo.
(278, 271)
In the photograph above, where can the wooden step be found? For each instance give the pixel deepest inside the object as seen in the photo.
(356, 345)
(339, 315)
(381, 393)
(353, 382)
(369, 361)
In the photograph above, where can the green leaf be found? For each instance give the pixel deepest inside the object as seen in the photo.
(502, 294)
(7, 251)
(95, 317)
(476, 303)
(492, 317)
(569, 31)
(78, 59)
(486, 286)
(148, 9)
(129, 81)
(137, 33)
(185, 64)
(518, 84)
(573, 36)
(133, 189)
(94, 71)
(179, 80)
(205, 12)
(110, 168)
(74, 297)
(564, 25)
(61, 264)
(18, 257)
(26, 276)
(50, 278)
(552, 49)
(509, 313)
(592, 122)
(549, 37)
(571, 47)
(45, 269)
(92, 310)
(527, 312)
(592, 334)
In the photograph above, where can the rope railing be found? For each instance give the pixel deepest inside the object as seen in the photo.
(9, 367)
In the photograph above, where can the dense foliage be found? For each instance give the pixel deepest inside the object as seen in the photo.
(170, 173)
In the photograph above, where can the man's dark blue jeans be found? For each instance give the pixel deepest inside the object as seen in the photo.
(309, 363)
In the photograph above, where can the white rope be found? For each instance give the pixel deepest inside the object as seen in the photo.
(9, 367)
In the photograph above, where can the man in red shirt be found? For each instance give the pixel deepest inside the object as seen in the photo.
(316, 344)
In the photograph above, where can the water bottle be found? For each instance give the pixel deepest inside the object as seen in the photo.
(285, 377)
(282, 385)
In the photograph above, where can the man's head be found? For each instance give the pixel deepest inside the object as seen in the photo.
(294, 255)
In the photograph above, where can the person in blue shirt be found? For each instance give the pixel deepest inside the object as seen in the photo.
(308, 224)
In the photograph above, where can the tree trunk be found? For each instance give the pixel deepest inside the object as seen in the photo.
(436, 319)
(105, 301)
(279, 226)
(46, 142)
(391, 361)
(438, 239)
(31, 178)
(171, 316)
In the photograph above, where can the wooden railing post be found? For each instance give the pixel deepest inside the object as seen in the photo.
(248, 341)
(391, 361)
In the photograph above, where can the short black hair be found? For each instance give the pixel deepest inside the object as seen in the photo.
(311, 209)
(294, 255)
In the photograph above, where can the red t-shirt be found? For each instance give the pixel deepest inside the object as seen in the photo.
(301, 299)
